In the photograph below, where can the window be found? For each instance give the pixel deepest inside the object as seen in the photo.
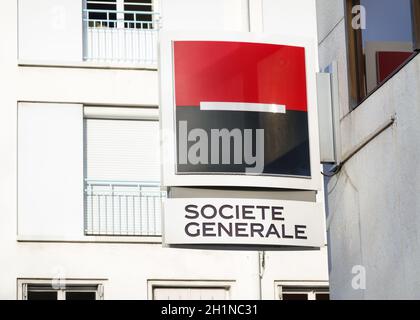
(189, 290)
(138, 14)
(65, 290)
(122, 172)
(294, 293)
(383, 35)
(120, 31)
(310, 290)
(132, 13)
(102, 13)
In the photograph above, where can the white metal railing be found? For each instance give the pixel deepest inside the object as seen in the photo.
(120, 36)
(123, 208)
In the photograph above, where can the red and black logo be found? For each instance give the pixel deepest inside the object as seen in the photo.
(241, 88)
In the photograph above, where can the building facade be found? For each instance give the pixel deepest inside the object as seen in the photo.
(80, 213)
(370, 48)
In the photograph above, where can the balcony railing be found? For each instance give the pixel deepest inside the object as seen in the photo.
(120, 36)
(123, 208)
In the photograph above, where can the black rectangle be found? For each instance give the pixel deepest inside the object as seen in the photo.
(286, 140)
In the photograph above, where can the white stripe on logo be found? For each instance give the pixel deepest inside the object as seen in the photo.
(241, 106)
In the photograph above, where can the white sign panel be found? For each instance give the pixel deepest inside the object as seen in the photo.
(238, 109)
(243, 222)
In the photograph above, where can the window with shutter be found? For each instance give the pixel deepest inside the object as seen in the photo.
(122, 173)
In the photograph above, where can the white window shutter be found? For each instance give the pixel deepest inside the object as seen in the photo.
(122, 150)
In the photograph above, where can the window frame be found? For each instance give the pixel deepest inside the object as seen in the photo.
(227, 285)
(121, 20)
(65, 285)
(356, 62)
(415, 5)
(311, 288)
(116, 113)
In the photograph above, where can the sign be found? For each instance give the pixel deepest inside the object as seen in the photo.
(243, 222)
(250, 91)
(238, 110)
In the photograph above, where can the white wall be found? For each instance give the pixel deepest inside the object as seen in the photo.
(127, 87)
(50, 30)
(293, 265)
(297, 18)
(127, 266)
(8, 147)
(204, 15)
(50, 170)
(294, 18)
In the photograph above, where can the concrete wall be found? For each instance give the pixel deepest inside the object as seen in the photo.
(373, 201)
(50, 170)
(101, 86)
(50, 30)
(268, 16)
(298, 18)
(60, 80)
(204, 15)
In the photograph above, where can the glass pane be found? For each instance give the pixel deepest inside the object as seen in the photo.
(295, 296)
(137, 12)
(387, 39)
(74, 295)
(180, 293)
(322, 296)
(42, 295)
(102, 13)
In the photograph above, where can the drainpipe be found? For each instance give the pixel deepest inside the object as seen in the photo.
(261, 259)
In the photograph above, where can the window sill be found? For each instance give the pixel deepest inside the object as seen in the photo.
(86, 65)
(94, 239)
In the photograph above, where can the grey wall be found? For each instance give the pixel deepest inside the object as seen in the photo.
(374, 201)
